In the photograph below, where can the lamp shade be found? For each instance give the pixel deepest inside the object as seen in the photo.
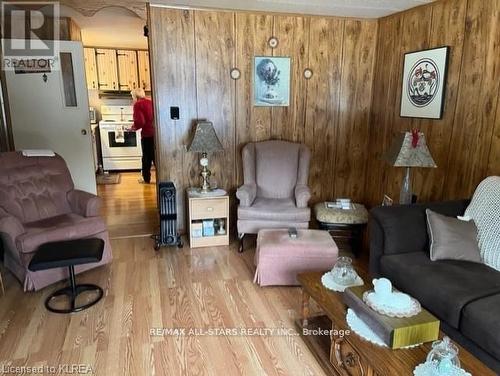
(409, 149)
(205, 139)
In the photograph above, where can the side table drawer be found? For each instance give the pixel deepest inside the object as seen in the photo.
(209, 208)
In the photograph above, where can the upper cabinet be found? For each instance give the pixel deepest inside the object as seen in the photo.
(127, 69)
(107, 69)
(144, 74)
(90, 68)
(110, 69)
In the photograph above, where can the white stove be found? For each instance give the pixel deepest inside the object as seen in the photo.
(121, 148)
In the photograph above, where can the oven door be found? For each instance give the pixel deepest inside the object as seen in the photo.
(127, 146)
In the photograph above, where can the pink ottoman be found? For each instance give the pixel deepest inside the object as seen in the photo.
(280, 258)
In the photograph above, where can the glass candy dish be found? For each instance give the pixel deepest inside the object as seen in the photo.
(445, 355)
(442, 360)
(341, 276)
(343, 272)
(386, 301)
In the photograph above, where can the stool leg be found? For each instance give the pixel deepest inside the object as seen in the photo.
(73, 285)
(357, 241)
(72, 292)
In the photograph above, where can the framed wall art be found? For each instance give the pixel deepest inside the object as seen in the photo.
(424, 81)
(271, 84)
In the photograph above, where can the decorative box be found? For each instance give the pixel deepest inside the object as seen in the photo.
(208, 227)
(394, 331)
(196, 230)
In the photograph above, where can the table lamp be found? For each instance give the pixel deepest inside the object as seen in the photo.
(408, 150)
(205, 141)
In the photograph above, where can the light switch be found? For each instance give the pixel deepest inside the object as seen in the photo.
(174, 113)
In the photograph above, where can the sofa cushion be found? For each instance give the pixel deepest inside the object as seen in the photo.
(480, 323)
(443, 287)
(62, 227)
(274, 210)
(452, 239)
(405, 226)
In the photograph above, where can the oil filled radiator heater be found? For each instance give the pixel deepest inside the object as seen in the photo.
(167, 204)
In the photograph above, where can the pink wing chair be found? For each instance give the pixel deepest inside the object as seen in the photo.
(275, 192)
(39, 204)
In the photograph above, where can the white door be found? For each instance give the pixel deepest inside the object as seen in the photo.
(52, 112)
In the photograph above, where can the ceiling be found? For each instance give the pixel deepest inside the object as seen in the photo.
(343, 8)
(109, 27)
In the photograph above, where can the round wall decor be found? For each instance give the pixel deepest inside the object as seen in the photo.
(273, 42)
(235, 73)
(308, 73)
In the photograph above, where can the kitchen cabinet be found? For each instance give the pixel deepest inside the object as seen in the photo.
(107, 69)
(127, 69)
(90, 68)
(144, 73)
(110, 69)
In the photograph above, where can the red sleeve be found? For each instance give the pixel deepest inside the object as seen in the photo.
(139, 119)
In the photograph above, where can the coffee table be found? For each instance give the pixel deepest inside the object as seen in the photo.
(349, 354)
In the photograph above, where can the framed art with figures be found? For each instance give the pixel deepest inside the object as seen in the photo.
(424, 81)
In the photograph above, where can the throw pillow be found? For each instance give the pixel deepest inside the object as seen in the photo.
(451, 238)
(484, 209)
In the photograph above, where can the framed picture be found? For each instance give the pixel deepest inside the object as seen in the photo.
(271, 84)
(424, 81)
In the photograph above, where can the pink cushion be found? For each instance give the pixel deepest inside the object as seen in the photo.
(280, 258)
(62, 227)
(268, 209)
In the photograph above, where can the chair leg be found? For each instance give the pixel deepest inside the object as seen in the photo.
(1, 284)
(241, 236)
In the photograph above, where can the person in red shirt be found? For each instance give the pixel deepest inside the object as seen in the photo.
(143, 120)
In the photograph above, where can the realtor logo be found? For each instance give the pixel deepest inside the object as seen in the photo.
(30, 35)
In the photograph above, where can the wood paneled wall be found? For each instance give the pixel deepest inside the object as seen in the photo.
(465, 143)
(192, 53)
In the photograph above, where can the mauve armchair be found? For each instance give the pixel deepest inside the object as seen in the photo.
(39, 204)
(275, 192)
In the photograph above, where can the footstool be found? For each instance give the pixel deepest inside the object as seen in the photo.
(344, 225)
(279, 258)
(69, 253)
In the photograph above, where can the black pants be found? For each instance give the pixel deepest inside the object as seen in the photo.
(148, 157)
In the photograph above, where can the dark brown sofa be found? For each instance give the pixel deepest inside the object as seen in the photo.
(465, 296)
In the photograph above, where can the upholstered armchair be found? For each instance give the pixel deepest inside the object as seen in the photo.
(275, 192)
(38, 204)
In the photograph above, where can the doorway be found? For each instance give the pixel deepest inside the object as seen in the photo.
(116, 54)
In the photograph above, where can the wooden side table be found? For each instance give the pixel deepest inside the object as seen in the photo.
(213, 206)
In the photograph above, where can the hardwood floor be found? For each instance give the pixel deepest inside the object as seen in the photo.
(129, 207)
(191, 288)
(202, 289)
